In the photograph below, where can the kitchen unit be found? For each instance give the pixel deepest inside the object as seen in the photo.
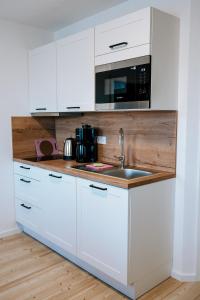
(68, 65)
(121, 235)
(116, 228)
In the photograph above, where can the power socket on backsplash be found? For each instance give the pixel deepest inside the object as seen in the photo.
(101, 139)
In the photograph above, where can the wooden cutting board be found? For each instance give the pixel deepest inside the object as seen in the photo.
(46, 147)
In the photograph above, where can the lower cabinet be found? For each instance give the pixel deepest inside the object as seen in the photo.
(123, 236)
(60, 210)
(46, 204)
(102, 227)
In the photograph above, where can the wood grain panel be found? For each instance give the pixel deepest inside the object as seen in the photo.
(150, 137)
(30, 270)
(26, 129)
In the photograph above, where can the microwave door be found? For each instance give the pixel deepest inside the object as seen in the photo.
(125, 87)
(111, 86)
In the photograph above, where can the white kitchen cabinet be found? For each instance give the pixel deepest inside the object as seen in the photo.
(76, 72)
(122, 236)
(46, 204)
(145, 32)
(126, 234)
(60, 210)
(62, 74)
(129, 31)
(42, 79)
(102, 223)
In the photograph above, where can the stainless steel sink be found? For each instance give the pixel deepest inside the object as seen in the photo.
(126, 173)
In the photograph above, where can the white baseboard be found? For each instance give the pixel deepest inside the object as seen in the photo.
(190, 277)
(9, 232)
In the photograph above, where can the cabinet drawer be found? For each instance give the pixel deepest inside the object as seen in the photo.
(27, 170)
(129, 31)
(58, 178)
(28, 189)
(28, 215)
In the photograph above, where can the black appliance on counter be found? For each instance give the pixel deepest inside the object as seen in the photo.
(86, 144)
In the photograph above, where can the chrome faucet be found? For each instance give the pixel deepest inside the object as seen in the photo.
(121, 158)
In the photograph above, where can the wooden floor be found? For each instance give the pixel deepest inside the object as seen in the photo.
(29, 270)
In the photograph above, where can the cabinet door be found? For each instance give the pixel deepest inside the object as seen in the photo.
(129, 31)
(76, 72)
(60, 210)
(42, 79)
(102, 227)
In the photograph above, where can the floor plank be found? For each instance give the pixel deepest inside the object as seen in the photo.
(31, 271)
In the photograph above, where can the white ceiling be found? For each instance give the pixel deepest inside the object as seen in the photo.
(52, 14)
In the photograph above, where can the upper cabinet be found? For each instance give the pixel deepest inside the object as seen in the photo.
(42, 79)
(62, 74)
(124, 33)
(145, 32)
(76, 72)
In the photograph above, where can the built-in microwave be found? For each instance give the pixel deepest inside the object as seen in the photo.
(124, 85)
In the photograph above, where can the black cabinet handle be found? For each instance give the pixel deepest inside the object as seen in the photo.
(41, 108)
(123, 44)
(73, 107)
(54, 176)
(26, 181)
(25, 168)
(25, 206)
(97, 187)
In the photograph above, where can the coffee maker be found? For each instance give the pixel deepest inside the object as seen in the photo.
(86, 144)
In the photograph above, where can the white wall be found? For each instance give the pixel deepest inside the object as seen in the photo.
(14, 45)
(192, 192)
(187, 189)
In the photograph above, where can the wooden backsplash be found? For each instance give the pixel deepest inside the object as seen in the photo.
(26, 129)
(150, 137)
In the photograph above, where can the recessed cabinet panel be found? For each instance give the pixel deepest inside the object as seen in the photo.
(29, 215)
(42, 79)
(76, 72)
(123, 33)
(28, 189)
(60, 210)
(102, 227)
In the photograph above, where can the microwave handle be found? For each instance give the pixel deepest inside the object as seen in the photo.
(119, 45)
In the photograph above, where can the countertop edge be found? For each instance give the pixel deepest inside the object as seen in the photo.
(101, 178)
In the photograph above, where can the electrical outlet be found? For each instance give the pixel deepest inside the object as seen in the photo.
(101, 140)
